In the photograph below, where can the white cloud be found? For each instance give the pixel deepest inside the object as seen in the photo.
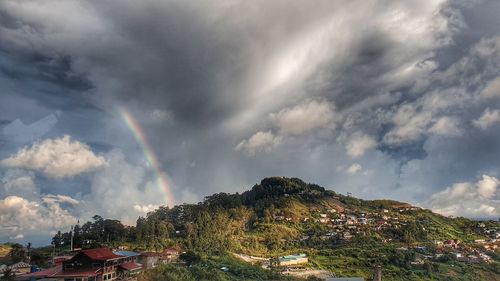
(56, 158)
(476, 200)
(446, 126)
(18, 182)
(17, 131)
(487, 119)
(359, 143)
(260, 141)
(56, 199)
(127, 186)
(17, 237)
(487, 187)
(304, 117)
(409, 125)
(492, 89)
(160, 115)
(353, 169)
(144, 209)
(20, 215)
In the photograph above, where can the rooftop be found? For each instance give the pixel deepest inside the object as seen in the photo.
(130, 266)
(127, 253)
(100, 254)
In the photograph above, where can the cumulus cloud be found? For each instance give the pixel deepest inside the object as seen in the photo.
(409, 125)
(358, 144)
(446, 126)
(353, 169)
(56, 158)
(492, 89)
(487, 119)
(18, 182)
(260, 141)
(304, 117)
(20, 215)
(294, 121)
(144, 209)
(477, 200)
(128, 186)
(57, 199)
(17, 237)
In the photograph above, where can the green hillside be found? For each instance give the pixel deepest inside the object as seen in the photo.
(343, 235)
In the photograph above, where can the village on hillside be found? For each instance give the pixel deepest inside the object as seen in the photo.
(342, 224)
(91, 265)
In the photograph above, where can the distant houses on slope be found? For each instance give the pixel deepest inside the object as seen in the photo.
(101, 264)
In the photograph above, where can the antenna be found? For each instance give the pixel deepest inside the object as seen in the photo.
(72, 235)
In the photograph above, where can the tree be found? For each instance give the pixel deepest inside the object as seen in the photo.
(8, 275)
(17, 253)
(190, 257)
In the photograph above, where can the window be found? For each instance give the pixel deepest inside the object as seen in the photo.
(68, 266)
(105, 277)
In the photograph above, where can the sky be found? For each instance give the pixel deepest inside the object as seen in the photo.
(118, 107)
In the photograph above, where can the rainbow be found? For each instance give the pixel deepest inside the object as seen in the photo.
(161, 177)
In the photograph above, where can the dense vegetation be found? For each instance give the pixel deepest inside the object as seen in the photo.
(280, 216)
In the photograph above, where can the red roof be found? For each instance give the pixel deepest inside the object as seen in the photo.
(170, 251)
(58, 272)
(40, 274)
(130, 265)
(100, 254)
(77, 273)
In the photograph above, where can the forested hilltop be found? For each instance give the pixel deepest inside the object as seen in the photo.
(341, 234)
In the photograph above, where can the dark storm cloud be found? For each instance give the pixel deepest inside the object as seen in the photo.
(230, 92)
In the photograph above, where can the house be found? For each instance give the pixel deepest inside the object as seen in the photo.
(345, 279)
(129, 269)
(149, 259)
(43, 274)
(88, 265)
(438, 243)
(59, 260)
(92, 264)
(20, 268)
(169, 255)
(292, 260)
(129, 255)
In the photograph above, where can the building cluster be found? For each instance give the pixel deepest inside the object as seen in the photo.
(473, 252)
(101, 264)
(344, 223)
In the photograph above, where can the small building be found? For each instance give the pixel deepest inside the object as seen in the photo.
(88, 265)
(59, 260)
(345, 279)
(292, 260)
(170, 255)
(129, 269)
(129, 255)
(20, 268)
(149, 259)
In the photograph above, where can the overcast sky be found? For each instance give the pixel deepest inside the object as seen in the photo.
(383, 99)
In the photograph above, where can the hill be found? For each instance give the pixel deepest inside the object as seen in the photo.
(344, 235)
